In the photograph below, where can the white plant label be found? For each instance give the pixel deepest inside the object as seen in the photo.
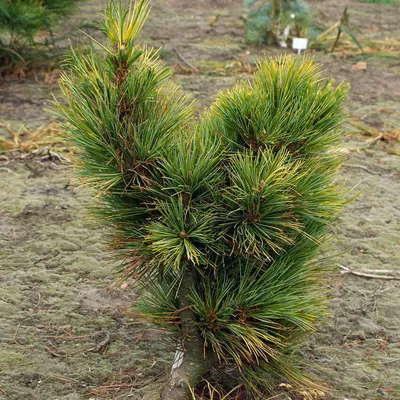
(299, 44)
(179, 355)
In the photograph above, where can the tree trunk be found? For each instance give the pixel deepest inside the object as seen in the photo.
(191, 361)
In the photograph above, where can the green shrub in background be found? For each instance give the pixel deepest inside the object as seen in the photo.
(220, 220)
(267, 19)
(20, 22)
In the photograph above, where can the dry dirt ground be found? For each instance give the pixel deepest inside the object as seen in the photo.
(65, 335)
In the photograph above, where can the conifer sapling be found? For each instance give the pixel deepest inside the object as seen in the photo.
(21, 21)
(220, 219)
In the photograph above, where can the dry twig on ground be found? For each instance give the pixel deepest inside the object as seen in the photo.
(371, 273)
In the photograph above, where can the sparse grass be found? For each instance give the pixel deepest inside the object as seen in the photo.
(25, 140)
(387, 48)
(390, 2)
(391, 137)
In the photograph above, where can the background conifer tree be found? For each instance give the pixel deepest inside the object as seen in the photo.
(267, 20)
(21, 20)
(221, 220)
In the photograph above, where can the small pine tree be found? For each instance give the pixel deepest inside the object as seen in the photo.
(267, 19)
(21, 20)
(220, 220)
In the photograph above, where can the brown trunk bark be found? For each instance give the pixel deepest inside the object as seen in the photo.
(191, 362)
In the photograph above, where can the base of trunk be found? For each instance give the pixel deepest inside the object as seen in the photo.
(178, 387)
(188, 368)
(191, 360)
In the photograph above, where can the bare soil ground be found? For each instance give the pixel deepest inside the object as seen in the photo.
(65, 335)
